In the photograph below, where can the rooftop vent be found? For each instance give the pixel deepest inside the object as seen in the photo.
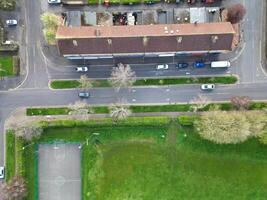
(97, 32)
(109, 41)
(75, 43)
(171, 31)
(179, 39)
(214, 38)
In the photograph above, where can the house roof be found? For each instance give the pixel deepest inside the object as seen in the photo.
(145, 38)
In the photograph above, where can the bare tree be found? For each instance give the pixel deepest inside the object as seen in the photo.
(14, 189)
(28, 131)
(122, 76)
(85, 82)
(236, 13)
(80, 108)
(199, 102)
(241, 102)
(119, 110)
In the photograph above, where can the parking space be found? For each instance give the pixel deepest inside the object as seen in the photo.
(59, 172)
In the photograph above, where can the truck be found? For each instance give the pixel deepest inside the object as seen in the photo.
(220, 64)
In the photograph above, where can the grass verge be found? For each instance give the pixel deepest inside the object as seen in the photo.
(6, 66)
(10, 156)
(144, 109)
(67, 84)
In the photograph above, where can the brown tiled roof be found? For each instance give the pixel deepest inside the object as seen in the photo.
(158, 38)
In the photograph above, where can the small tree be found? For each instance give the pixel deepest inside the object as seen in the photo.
(85, 82)
(29, 131)
(122, 76)
(119, 111)
(223, 127)
(241, 102)
(50, 36)
(14, 189)
(236, 13)
(199, 102)
(50, 22)
(79, 108)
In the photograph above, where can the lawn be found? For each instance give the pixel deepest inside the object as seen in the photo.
(144, 109)
(135, 161)
(67, 84)
(6, 66)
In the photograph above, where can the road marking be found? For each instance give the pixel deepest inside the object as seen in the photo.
(133, 100)
(167, 90)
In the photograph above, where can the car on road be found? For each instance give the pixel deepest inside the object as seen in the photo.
(84, 94)
(54, 1)
(199, 64)
(2, 172)
(11, 22)
(164, 66)
(181, 65)
(81, 69)
(207, 86)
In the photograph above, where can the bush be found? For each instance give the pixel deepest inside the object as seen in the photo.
(186, 120)
(16, 65)
(223, 127)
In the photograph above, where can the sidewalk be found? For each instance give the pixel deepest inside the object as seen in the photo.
(19, 117)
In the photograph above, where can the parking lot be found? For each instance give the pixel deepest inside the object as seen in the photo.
(59, 172)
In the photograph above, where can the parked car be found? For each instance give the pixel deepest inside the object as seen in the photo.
(54, 1)
(11, 22)
(2, 172)
(181, 65)
(84, 94)
(81, 69)
(207, 86)
(199, 64)
(164, 66)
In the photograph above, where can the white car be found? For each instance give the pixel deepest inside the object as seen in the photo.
(11, 22)
(81, 69)
(164, 66)
(207, 86)
(54, 1)
(2, 172)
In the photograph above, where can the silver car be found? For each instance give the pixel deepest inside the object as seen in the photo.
(11, 22)
(207, 86)
(2, 172)
(163, 66)
(54, 1)
(81, 69)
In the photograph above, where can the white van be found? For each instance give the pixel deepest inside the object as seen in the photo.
(218, 64)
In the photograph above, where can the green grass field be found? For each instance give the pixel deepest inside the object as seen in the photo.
(6, 66)
(135, 161)
(67, 84)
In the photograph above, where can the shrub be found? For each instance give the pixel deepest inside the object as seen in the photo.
(223, 127)
(186, 120)
(16, 65)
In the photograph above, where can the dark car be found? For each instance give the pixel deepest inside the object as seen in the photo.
(181, 65)
(199, 64)
(84, 94)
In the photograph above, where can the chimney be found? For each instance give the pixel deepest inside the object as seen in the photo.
(97, 32)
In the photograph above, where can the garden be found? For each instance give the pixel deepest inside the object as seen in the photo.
(155, 157)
